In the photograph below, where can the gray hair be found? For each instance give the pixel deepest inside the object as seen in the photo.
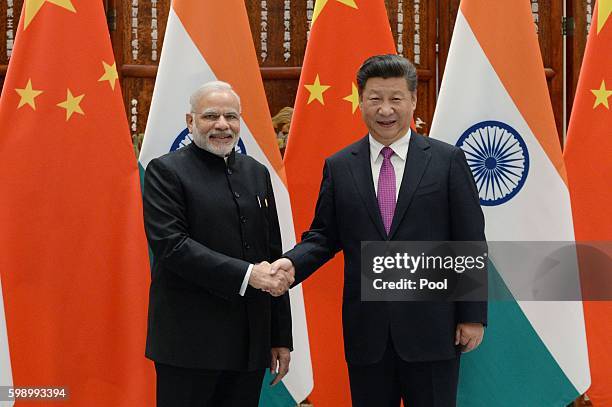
(211, 87)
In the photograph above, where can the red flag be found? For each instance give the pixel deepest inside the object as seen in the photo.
(74, 265)
(587, 156)
(327, 118)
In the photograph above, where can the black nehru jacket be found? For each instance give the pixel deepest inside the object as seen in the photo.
(206, 220)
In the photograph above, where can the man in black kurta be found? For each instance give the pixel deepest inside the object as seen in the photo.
(212, 225)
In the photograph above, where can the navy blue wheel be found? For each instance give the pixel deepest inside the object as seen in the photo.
(183, 139)
(498, 158)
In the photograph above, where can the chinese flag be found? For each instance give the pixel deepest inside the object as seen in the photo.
(588, 158)
(74, 264)
(327, 118)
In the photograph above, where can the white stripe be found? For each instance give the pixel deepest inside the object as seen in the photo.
(183, 69)
(471, 92)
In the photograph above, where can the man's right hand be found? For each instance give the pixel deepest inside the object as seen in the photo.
(284, 265)
(264, 279)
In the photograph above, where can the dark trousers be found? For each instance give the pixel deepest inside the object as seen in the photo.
(182, 387)
(418, 384)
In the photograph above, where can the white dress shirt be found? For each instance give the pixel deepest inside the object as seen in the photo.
(245, 281)
(400, 148)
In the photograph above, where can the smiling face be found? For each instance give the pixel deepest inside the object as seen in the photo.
(387, 107)
(215, 123)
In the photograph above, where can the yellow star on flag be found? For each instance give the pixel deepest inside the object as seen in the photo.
(27, 95)
(601, 95)
(353, 97)
(71, 104)
(32, 7)
(604, 9)
(316, 91)
(320, 5)
(110, 74)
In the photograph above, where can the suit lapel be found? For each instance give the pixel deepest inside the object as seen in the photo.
(416, 164)
(361, 170)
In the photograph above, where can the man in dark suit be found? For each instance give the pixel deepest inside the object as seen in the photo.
(211, 223)
(395, 184)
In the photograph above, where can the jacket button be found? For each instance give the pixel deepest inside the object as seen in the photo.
(243, 219)
(236, 194)
(229, 171)
(247, 246)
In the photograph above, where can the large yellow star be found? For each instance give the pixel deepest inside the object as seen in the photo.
(601, 95)
(316, 91)
(320, 5)
(604, 8)
(110, 74)
(71, 104)
(27, 95)
(32, 7)
(353, 97)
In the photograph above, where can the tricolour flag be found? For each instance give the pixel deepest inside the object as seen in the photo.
(326, 119)
(494, 104)
(588, 157)
(74, 263)
(211, 40)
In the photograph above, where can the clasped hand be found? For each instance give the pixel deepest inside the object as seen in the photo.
(275, 278)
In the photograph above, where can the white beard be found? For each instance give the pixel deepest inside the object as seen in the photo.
(203, 141)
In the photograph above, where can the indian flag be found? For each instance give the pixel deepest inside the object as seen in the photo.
(494, 104)
(211, 40)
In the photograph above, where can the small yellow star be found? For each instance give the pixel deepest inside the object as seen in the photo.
(28, 95)
(320, 5)
(71, 104)
(110, 74)
(601, 95)
(32, 7)
(316, 91)
(604, 9)
(353, 97)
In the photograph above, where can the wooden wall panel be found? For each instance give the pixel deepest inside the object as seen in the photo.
(138, 33)
(10, 11)
(580, 13)
(547, 15)
(280, 51)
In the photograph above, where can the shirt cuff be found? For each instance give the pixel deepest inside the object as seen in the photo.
(245, 282)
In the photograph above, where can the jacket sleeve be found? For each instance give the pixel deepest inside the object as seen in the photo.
(172, 246)
(320, 243)
(467, 224)
(281, 335)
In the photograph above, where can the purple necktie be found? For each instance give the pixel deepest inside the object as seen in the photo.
(386, 189)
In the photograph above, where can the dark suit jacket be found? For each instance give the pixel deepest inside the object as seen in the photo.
(205, 225)
(438, 201)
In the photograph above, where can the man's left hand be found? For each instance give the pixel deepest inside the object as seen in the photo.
(279, 363)
(469, 335)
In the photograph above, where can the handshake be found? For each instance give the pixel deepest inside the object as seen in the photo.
(275, 278)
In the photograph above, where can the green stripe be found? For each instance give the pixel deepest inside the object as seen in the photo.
(512, 366)
(277, 396)
(141, 171)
